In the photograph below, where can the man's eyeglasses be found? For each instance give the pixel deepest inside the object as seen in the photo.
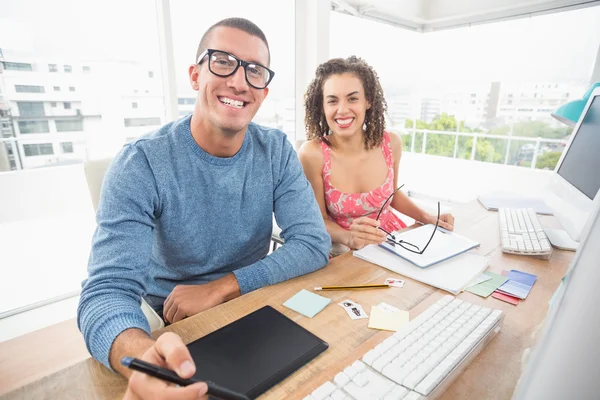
(404, 244)
(224, 64)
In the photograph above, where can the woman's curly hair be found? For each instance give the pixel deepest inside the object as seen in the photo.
(316, 124)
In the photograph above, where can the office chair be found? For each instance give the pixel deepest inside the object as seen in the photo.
(94, 175)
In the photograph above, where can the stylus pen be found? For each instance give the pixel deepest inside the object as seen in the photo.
(214, 390)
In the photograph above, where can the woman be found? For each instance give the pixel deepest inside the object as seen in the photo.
(349, 158)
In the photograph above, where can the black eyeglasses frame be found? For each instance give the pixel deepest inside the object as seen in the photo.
(392, 239)
(240, 62)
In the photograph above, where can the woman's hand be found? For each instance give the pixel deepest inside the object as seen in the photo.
(364, 231)
(446, 221)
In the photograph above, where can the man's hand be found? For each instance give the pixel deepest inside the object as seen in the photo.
(187, 300)
(365, 231)
(169, 352)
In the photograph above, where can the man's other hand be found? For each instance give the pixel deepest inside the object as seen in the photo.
(187, 300)
(169, 352)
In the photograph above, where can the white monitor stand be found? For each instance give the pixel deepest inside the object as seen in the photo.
(576, 181)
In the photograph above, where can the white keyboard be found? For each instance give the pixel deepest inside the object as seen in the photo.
(522, 233)
(419, 361)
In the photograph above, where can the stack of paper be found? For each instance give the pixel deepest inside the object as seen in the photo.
(444, 245)
(452, 275)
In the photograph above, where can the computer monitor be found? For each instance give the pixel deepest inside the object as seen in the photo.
(576, 178)
(566, 360)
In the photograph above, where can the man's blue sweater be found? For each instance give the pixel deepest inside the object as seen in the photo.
(170, 214)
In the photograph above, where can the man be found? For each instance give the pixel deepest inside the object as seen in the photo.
(184, 218)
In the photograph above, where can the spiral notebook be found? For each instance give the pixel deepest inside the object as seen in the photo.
(444, 245)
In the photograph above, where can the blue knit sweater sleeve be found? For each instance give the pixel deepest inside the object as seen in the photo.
(111, 296)
(297, 213)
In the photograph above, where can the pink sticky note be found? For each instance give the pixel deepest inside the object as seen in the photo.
(504, 297)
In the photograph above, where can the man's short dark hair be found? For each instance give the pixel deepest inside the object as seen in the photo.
(237, 23)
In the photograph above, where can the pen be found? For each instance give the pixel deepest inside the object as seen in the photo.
(214, 390)
(373, 286)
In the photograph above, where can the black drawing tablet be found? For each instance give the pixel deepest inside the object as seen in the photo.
(255, 352)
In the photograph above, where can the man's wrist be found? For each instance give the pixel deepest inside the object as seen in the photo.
(131, 342)
(230, 288)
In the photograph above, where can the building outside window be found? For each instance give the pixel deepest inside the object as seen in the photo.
(151, 121)
(134, 104)
(86, 69)
(33, 127)
(68, 68)
(38, 149)
(29, 89)
(57, 88)
(15, 66)
(31, 108)
(66, 147)
(69, 125)
(71, 88)
(52, 68)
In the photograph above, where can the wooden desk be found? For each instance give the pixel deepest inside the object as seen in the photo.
(492, 375)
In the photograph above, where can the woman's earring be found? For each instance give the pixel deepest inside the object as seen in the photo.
(364, 126)
(329, 132)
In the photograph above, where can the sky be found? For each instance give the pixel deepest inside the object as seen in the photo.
(555, 47)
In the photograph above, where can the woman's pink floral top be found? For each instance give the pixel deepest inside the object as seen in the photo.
(343, 208)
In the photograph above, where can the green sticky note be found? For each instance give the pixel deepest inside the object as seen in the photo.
(307, 303)
(484, 289)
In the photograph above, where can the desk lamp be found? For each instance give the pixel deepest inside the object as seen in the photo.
(569, 113)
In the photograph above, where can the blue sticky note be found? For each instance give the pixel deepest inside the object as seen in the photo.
(307, 303)
(519, 284)
(522, 277)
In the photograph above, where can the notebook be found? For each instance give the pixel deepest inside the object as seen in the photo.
(255, 352)
(494, 200)
(452, 275)
(444, 245)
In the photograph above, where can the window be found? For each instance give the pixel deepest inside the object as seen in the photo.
(66, 147)
(134, 104)
(57, 88)
(33, 127)
(53, 104)
(15, 66)
(153, 121)
(68, 68)
(186, 100)
(67, 105)
(50, 35)
(69, 125)
(71, 88)
(29, 89)
(38, 149)
(31, 108)
(150, 74)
